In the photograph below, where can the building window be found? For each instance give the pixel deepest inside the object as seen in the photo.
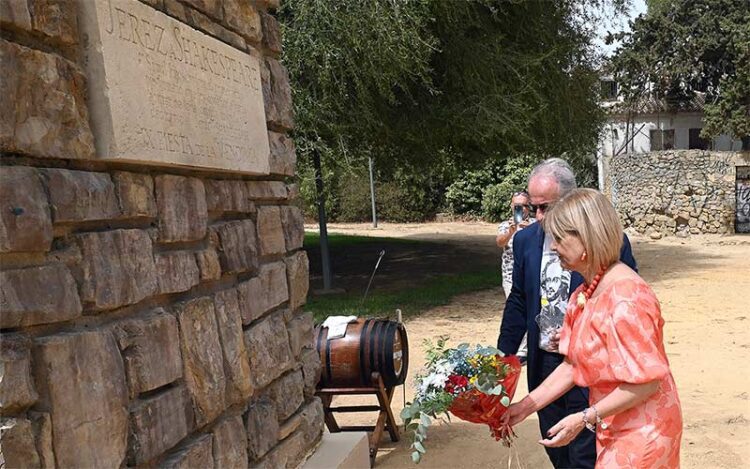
(608, 91)
(696, 142)
(661, 139)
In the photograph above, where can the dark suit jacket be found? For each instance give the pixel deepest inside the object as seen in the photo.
(524, 303)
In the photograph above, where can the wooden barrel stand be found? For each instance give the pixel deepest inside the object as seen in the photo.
(372, 358)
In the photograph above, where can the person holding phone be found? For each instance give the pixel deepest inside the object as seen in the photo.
(520, 219)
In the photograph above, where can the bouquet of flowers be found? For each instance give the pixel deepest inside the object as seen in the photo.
(473, 383)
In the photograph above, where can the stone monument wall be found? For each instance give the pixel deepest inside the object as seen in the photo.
(678, 192)
(152, 277)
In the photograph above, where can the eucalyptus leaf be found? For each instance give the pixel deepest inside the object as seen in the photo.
(505, 400)
(425, 420)
(416, 457)
(419, 447)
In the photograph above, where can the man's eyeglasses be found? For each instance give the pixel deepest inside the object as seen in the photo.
(543, 207)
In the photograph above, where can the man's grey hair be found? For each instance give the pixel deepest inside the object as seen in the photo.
(559, 170)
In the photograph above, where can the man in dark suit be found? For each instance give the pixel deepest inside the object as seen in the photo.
(539, 297)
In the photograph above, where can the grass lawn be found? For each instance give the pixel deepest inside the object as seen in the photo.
(419, 294)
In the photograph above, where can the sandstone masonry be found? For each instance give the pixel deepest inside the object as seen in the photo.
(149, 315)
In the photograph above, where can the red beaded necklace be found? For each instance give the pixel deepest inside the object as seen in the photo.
(586, 294)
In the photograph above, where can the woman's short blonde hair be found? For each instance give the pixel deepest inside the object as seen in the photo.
(588, 215)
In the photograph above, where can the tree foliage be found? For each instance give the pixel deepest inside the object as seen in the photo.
(431, 86)
(686, 46)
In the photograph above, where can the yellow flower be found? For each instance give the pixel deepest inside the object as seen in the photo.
(472, 380)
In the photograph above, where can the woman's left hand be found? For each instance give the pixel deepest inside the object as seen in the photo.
(564, 431)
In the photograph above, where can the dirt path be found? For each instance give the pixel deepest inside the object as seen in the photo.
(702, 283)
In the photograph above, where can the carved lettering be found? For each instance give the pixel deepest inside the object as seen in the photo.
(179, 97)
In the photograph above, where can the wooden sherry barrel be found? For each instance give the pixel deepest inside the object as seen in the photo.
(369, 345)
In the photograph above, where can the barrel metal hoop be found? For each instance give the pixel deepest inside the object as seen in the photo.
(320, 350)
(374, 344)
(364, 375)
(405, 356)
(329, 373)
(381, 351)
(390, 366)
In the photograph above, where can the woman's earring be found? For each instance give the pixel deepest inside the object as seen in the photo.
(583, 256)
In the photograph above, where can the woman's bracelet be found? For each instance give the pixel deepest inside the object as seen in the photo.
(597, 423)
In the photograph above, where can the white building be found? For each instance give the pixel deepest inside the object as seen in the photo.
(652, 125)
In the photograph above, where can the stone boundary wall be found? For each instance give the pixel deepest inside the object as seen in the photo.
(680, 192)
(150, 316)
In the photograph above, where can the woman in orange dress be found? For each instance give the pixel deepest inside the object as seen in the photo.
(613, 342)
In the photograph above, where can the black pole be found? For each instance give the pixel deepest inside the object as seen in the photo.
(324, 257)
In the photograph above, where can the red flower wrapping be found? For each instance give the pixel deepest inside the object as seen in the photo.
(477, 407)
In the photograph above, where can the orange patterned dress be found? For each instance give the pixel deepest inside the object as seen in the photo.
(617, 338)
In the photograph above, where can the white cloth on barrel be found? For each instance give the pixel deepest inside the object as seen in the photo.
(337, 325)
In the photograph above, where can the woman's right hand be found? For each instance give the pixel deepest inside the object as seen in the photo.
(517, 412)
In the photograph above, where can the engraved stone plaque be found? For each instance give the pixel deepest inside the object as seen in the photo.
(163, 93)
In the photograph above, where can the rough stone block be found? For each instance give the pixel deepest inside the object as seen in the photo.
(150, 349)
(88, 407)
(266, 190)
(202, 358)
(264, 292)
(298, 276)
(312, 416)
(268, 348)
(54, 19)
(311, 367)
(270, 231)
(230, 444)
(242, 17)
(237, 251)
(288, 453)
(262, 427)
(44, 107)
(38, 295)
(236, 362)
(277, 95)
(27, 442)
(283, 157)
(210, 7)
(286, 393)
(294, 227)
(292, 191)
(181, 203)
(135, 192)
(196, 454)
(15, 13)
(301, 333)
(18, 444)
(118, 268)
(17, 391)
(159, 423)
(208, 264)
(271, 33)
(228, 196)
(176, 271)
(25, 223)
(204, 23)
(269, 4)
(290, 426)
(80, 195)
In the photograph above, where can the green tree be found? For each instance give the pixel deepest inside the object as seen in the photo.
(681, 47)
(408, 82)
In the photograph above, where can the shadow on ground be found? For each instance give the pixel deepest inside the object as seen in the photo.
(406, 264)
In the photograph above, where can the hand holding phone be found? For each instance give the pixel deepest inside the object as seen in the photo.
(517, 214)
